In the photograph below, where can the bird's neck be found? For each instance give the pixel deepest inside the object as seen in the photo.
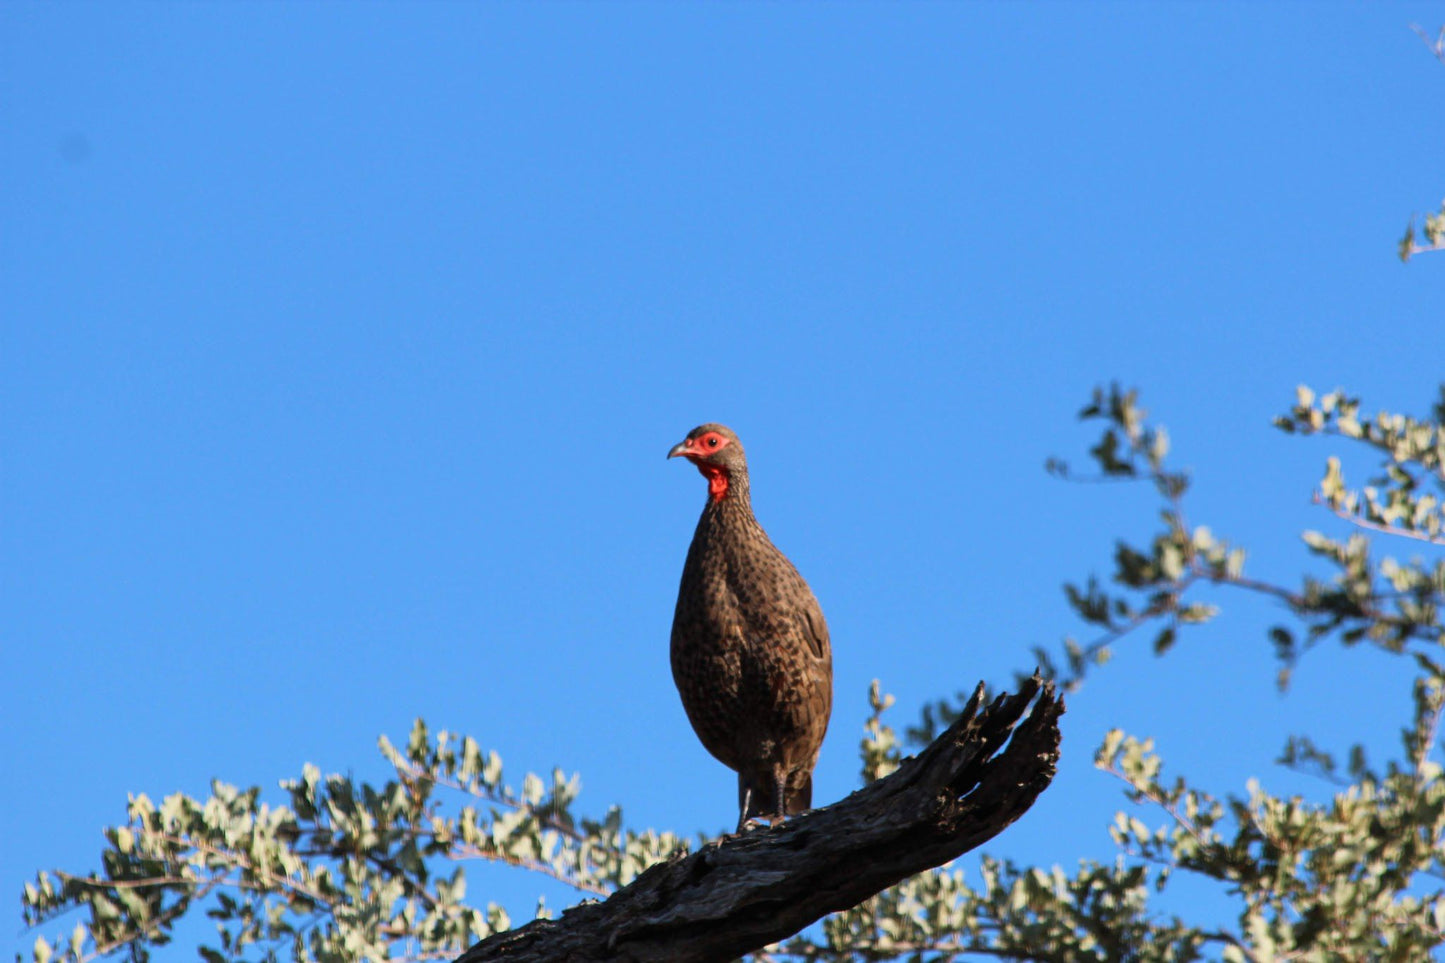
(727, 493)
(727, 525)
(725, 486)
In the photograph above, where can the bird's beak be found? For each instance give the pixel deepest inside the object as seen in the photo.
(681, 448)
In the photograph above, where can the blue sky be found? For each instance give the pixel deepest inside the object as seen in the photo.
(342, 345)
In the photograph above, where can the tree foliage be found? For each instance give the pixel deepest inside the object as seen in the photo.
(1355, 875)
(345, 870)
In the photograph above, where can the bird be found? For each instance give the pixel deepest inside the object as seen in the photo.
(750, 651)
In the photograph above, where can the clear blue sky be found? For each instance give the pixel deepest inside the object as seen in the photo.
(342, 345)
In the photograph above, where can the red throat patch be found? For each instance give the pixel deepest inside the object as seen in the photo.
(717, 480)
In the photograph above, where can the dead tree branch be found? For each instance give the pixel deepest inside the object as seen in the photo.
(742, 893)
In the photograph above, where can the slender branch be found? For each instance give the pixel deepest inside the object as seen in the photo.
(1436, 45)
(1162, 803)
(1373, 526)
(544, 818)
(411, 885)
(284, 883)
(154, 926)
(1430, 733)
(460, 851)
(199, 887)
(148, 881)
(1328, 778)
(1100, 479)
(471, 851)
(1144, 615)
(1332, 431)
(1301, 604)
(1293, 599)
(953, 948)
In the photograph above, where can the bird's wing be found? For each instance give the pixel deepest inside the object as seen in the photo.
(815, 630)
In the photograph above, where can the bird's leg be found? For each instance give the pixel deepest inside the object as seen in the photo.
(743, 809)
(780, 795)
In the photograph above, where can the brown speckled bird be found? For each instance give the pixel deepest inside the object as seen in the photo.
(750, 651)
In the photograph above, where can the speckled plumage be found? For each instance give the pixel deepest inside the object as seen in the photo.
(750, 649)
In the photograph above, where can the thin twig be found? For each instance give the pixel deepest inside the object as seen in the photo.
(1163, 804)
(1428, 737)
(282, 883)
(1254, 585)
(470, 851)
(92, 883)
(1436, 46)
(155, 926)
(1373, 526)
(548, 821)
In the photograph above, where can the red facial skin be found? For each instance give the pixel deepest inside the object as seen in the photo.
(697, 451)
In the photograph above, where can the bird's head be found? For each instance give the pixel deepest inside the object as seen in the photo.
(717, 453)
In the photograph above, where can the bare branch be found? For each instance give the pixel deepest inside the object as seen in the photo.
(746, 891)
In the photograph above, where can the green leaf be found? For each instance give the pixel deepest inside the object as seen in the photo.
(1164, 641)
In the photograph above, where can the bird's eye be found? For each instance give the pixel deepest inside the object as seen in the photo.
(712, 442)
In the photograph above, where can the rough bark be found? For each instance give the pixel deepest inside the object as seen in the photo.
(741, 893)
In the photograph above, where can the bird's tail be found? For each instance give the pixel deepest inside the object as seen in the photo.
(799, 796)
